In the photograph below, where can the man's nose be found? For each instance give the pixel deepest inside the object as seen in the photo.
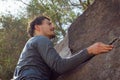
(53, 26)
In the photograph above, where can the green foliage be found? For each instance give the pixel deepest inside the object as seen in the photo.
(85, 3)
(59, 11)
(62, 12)
(13, 38)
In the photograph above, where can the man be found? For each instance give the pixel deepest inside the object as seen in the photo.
(39, 59)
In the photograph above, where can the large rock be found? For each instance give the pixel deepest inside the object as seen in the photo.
(99, 23)
(63, 49)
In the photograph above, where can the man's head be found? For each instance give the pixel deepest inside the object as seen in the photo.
(41, 26)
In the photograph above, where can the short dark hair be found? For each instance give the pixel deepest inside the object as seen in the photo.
(37, 21)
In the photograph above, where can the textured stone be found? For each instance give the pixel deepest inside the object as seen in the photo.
(99, 23)
(63, 49)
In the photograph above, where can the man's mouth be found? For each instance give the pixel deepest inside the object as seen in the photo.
(52, 29)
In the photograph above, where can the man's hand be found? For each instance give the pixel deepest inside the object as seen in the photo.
(99, 48)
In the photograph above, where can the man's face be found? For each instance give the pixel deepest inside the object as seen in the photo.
(47, 28)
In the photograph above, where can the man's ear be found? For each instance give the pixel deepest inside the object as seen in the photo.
(37, 27)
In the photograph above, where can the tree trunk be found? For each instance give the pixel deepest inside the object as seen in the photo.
(99, 23)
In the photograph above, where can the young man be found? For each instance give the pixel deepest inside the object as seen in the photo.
(39, 58)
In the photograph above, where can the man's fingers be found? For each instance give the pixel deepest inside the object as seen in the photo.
(99, 47)
(105, 51)
(112, 46)
(108, 46)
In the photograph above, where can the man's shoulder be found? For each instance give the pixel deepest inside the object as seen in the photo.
(39, 40)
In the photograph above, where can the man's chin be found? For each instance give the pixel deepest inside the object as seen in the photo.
(52, 36)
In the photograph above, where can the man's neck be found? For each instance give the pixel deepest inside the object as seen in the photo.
(41, 35)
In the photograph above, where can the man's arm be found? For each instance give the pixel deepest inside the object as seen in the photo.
(54, 61)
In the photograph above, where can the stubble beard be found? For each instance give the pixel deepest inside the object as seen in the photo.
(52, 36)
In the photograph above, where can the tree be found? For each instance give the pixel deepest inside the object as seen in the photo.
(13, 39)
(61, 12)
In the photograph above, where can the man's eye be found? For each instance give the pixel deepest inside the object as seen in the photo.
(50, 23)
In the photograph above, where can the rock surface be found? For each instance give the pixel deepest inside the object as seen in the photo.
(99, 23)
(63, 49)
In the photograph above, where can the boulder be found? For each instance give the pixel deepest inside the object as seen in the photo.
(99, 23)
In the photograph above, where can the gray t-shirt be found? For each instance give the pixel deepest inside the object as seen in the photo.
(39, 58)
